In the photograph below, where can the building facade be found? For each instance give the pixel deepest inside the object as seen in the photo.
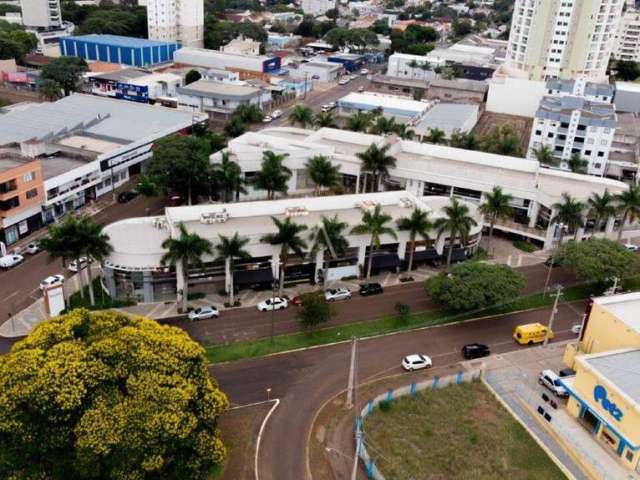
(253, 65)
(179, 21)
(563, 39)
(413, 67)
(627, 45)
(220, 99)
(135, 85)
(43, 14)
(317, 7)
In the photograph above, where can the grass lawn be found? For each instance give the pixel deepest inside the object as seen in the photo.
(458, 432)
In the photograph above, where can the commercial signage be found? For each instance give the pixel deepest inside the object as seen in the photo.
(133, 93)
(600, 396)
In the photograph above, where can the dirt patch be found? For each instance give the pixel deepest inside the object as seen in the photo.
(520, 125)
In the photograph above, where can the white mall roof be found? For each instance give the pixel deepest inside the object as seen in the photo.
(388, 102)
(621, 368)
(625, 307)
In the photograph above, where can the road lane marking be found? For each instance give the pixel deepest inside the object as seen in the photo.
(262, 426)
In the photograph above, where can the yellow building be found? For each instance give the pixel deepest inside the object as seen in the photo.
(605, 392)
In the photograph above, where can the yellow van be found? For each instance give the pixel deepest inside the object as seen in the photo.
(531, 333)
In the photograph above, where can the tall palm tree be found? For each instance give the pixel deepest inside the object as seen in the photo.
(569, 212)
(417, 224)
(59, 245)
(229, 249)
(325, 119)
(376, 162)
(188, 249)
(288, 237)
(50, 90)
(629, 205)
(96, 246)
(359, 122)
(457, 223)
(228, 176)
(466, 141)
(273, 174)
(383, 125)
(436, 136)
(404, 132)
(301, 115)
(323, 173)
(329, 236)
(374, 223)
(495, 207)
(601, 207)
(577, 164)
(545, 156)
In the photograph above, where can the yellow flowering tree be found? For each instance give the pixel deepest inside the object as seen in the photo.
(102, 395)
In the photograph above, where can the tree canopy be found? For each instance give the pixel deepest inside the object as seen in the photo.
(104, 395)
(116, 20)
(472, 285)
(314, 310)
(220, 32)
(65, 71)
(356, 38)
(14, 41)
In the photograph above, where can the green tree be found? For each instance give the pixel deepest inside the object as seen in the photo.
(359, 122)
(599, 260)
(273, 174)
(374, 223)
(185, 251)
(417, 224)
(314, 310)
(61, 244)
(501, 140)
(181, 163)
(147, 186)
(301, 115)
(376, 163)
(65, 71)
(234, 128)
(383, 125)
(192, 76)
(50, 90)
(545, 156)
(626, 70)
(457, 222)
(325, 119)
(15, 42)
(628, 203)
(229, 249)
(95, 246)
(436, 136)
(108, 395)
(228, 177)
(601, 208)
(323, 173)
(466, 141)
(287, 236)
(220, 32)
(475, 285)
(115, 20)
(496, 206)
(577, 164)
(570, 213)
(249, 113)
(329, 237)
(404, 132)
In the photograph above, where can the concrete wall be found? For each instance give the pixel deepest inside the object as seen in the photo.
(514, 96)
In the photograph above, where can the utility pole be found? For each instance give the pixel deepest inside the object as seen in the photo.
(552, 317)
(354, 470)
(352, 374)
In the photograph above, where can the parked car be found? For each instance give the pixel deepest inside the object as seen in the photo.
(631, 247)
(276, 114)
(550, 380)
(203, 313)
(124, 197)
(364, 71)
(32, 248)
(73, 265)
(531, 333)
(11, 260)
(553, 262)
(416, 362)
(370, 289)
(344, 81)
(52, 281)
(327, 107)
(296, 301)
(360, 89)
(267, 119)
(275, 303)
(475, 350)
(334, 294)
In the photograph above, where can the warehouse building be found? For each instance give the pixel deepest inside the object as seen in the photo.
(136, 52)
(400, 108)
(449, 117)
(220, 99)
(246, 65)
(136, 85)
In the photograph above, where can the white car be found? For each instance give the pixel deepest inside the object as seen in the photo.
(631, 247)
(73, 266)
(32, 248)
(52, 281)
(549, 379)
(577, 328)
(275, 303)
(334, 294)
(276, 114)
(267, 119)
(203, 313)
(12, 260)
(416, 362)
(344, 81)
(364, 71)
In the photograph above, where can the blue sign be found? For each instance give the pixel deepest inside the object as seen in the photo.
(134, 93)
(600, 395)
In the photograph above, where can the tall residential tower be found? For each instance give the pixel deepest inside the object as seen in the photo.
(176, 20)
(562, 38)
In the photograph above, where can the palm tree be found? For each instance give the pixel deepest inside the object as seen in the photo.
(301, 115)
(417, 224)
(502, 140)
(545, 156)
(359, 122)
(329, 236)
(323, 173)
(59, 245)
(383, 125)
(629, 205)
(325, 119)
(601, 207)
(404, 132)
(457, 222)
(228, 176)
(50, 90)
(495, 207)
(436, 136)
(96, 246)
(273, 174)
(234, 128)
(569, 212)
(288, 237)
(466, 141)
(374, 223)
(577, 164)
(188, 249)
(228, 250)
(376, 161)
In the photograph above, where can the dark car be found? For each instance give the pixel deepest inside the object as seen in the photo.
(127, 196)
(475, 350)
(371, 289)
(553, 262)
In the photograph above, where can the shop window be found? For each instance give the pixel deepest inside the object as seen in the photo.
(32, 193)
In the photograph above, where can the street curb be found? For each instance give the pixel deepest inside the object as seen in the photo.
(262, 426)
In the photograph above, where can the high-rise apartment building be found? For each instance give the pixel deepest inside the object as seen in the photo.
(41, 13)
(627, 45)
(176, 20)
(563, 38)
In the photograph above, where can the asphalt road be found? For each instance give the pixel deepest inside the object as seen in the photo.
(305, 380)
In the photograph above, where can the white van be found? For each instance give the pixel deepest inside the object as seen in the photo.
(549, 379)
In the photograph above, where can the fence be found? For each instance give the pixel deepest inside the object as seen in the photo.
(411, 389)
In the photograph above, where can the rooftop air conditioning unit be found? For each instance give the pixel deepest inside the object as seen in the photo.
(406, 202)
(214, 217)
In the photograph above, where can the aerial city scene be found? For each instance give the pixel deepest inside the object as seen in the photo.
(319, 239)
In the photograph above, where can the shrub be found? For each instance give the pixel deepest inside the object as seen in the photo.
(524, 246)
(385, 405)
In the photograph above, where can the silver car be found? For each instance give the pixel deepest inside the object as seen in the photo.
(334, 294)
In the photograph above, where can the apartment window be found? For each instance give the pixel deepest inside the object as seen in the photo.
(559, 148)
(550, 134)
(9, 204)
(564, 125)
(597, 166)
(32, 193)
(538, 132)
(29, 177)
(8, 186)
(582, 127)
(601, 154)
(587, 152)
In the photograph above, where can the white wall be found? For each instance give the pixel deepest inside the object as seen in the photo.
(515, 96)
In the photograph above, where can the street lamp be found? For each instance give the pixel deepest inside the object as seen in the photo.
(561, 227)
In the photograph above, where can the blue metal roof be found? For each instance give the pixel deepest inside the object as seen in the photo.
(120, 41)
